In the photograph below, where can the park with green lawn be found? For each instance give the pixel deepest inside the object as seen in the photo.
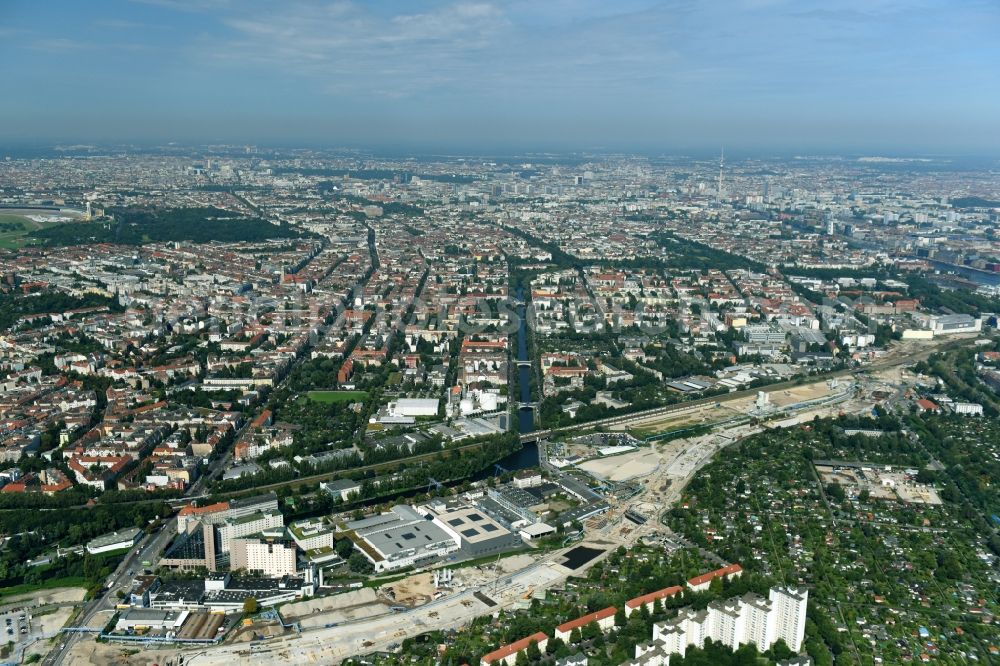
(337, 396)
(14, 230)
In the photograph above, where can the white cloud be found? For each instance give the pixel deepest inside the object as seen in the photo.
(346, 44)
(57, 44)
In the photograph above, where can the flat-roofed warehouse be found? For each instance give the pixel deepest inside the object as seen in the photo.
(120, 540)
(415, 406)
(146, 618)
(401, 538)
(477, 532)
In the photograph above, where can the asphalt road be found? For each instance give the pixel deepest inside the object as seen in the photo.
(151, 546)
(148, 549)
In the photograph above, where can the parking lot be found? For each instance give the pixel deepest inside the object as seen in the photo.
(16, 626)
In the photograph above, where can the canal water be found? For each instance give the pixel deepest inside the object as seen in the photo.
(977, 276)
(528, 455)
(525, 416)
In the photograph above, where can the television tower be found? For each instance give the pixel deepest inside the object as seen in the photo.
(722, 161)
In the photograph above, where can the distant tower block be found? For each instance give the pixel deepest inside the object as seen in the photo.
(829, 226)
(722, 162)
(763, 400)
(90, 211)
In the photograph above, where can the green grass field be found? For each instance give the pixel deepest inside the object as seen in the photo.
(16, 237)
(25, 588)
(338, 396)
(11, 238)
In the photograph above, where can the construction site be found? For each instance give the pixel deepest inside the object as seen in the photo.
(881, 481)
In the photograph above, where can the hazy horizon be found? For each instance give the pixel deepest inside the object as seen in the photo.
(869, 77)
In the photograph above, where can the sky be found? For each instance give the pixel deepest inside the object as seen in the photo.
(879, 76)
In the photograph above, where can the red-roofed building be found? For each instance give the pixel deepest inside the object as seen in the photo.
(21, 485)
(263, 419)
(97, 471)
(507, 654)
(699, 583)
(345, 372)
(192, 510)
(605, 619)
(926, 405)
(563, 371)
(483, 346)
(241, 451)
(54, 481)
(192, 513)
(648, 600)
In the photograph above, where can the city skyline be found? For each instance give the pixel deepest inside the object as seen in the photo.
(753, 75)
(499, 332)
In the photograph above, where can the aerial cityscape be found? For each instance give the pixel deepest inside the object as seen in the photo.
(374, 388)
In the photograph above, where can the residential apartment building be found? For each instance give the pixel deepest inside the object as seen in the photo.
(271, 558)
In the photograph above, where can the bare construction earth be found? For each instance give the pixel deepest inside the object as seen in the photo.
(319, 611)
(714, 413)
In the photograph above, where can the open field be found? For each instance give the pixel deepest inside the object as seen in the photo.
(802, 393)
(882, 482)
(56, 591)
(337, 396)
(92, 653)
(413, 590)
(14, 229)
(320, 611)
(625, 467)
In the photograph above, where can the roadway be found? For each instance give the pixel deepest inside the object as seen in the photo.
(152, 545)
(148, 550)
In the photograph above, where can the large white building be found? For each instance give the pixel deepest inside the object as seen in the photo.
(312, 534)
(273, 558)
(234, 528)
(114, 541)
(969, 408)
(415, 407)
(788, 606)
(950, 324)
(401, 538)
(733, 622)
(343, 489)
(405, 411)
(205, 533)
(763, 334)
